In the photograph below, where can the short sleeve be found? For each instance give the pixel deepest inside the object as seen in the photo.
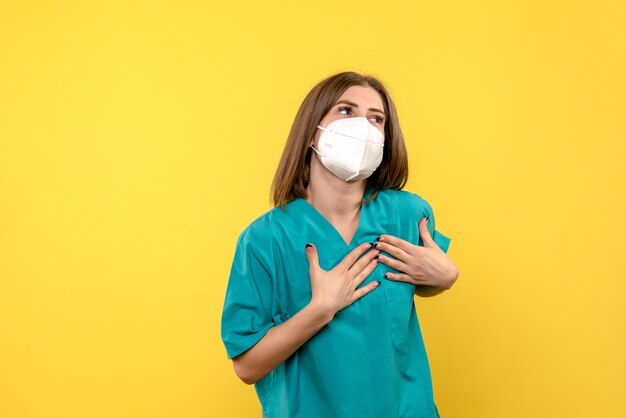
(440, 239)
(246, 316)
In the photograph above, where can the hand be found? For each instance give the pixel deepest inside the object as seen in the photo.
(335, 289)
(427, 265)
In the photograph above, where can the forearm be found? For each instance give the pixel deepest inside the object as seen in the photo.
(426, 291)
(280, 342)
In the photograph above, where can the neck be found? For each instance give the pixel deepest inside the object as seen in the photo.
(334, 198)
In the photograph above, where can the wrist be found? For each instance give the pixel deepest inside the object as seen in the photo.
(320, 312)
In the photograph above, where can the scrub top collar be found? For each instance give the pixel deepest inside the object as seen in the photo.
(303, 204)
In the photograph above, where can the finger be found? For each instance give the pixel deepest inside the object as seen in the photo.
(396, 242)
(364, 273)
(353, 255)
(400, 277)
(312, 257)
(362, 262)
(361, 291)
(392, 262)
(394, 251)
(425, 233)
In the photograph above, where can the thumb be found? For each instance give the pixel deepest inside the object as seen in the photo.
(424, 233)
(312, 257)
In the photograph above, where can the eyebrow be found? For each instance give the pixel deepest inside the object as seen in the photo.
(356, 105)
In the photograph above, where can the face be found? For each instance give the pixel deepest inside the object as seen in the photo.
(356, 101)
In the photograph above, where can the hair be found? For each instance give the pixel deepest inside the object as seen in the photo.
(293, 173)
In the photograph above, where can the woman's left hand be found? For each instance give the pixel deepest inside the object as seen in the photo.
(427, 265)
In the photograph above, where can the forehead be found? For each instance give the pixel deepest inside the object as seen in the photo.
(363, 94)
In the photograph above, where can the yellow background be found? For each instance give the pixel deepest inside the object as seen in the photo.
(137, 139)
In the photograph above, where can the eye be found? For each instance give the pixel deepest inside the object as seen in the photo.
(377, 119)
(345, 108)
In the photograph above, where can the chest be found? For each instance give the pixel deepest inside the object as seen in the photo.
(346, 230)
(291, 268)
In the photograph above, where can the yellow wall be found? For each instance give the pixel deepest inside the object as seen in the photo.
(137, 139)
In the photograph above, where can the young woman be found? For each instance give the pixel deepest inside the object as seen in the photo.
(319, 312)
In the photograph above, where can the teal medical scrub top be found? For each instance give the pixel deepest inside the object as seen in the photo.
(370, 360)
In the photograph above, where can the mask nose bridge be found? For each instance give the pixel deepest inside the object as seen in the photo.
(371, 126)
(338, 131)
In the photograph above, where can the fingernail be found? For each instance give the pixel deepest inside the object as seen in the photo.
(427, 219)
(380, 238)
(308, 245)
(377, 282)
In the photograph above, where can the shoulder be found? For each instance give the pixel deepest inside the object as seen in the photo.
(258, 238)
(260, 229)
(405, 201)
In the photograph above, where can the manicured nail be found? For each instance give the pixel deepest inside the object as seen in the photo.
(380, 238)
(377, 282)
(309, 245)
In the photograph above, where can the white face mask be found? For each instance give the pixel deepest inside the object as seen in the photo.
(351, 148)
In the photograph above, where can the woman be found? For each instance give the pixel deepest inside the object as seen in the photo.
(319, 311)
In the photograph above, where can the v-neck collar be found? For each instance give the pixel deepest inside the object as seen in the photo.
(320, 218)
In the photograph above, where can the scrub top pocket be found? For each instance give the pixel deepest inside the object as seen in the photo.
(399, 298)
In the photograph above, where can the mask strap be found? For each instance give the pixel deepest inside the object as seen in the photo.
(318, 153)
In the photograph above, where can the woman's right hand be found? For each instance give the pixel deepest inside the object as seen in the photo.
(335, 289)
